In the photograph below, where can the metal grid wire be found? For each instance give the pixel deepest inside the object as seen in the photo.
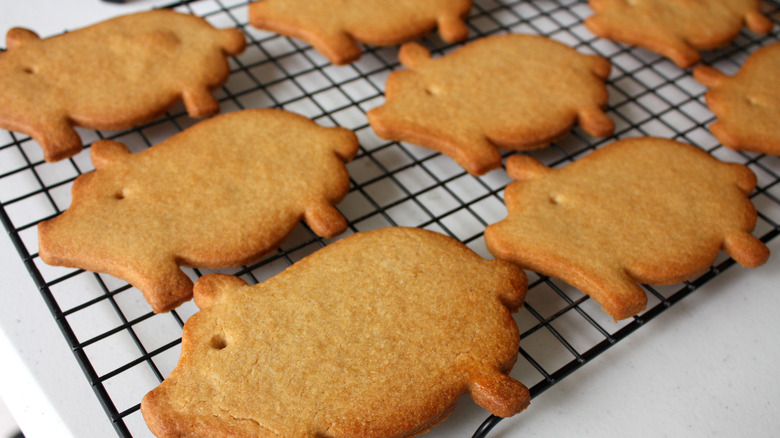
(125, 350)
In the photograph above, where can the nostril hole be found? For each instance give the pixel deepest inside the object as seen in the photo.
(218, 342)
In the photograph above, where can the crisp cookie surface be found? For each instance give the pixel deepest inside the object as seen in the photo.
(335, 27)
(677, 29)
(747, 104)
(376, 335)
(112, 75)
(644, 210)
(510, 91)
(222, 193)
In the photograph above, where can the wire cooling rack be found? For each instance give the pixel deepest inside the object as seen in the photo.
(125, 350)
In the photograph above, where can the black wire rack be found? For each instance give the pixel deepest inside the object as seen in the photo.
(125, 350)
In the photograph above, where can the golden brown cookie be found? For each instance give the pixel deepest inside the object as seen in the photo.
(511, 91)
(376, 335)
(645, 210)
(747, 104)
(112, 75)
(677, 29)
(222, 193)
(335, 27)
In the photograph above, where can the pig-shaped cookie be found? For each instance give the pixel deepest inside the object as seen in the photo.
(645, 210)
(222, 193)
(510, 91)
(375, 335)
(747, 104)
(112, 75)
(335, 27)
(677, 29)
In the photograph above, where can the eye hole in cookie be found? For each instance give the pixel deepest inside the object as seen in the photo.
(555, 199)
(119, 195)
(433, 90)
(218, 342)
(28, 70)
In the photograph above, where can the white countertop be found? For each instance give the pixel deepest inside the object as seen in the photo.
(705, 367)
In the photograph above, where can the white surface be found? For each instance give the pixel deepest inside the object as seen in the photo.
(703, 368)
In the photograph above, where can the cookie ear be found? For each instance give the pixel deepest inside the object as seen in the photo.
(211, 287)
(104, 152)
(413, 54)
(524, 167)
(18, 36)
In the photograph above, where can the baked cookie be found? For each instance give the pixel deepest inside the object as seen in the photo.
(376, 335)
(112, 75)
(748, 104)
(222, 193)
(510, 91)
(335, 27)
(645, 210)
(676, 29)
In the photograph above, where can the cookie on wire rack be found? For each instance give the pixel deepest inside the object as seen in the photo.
(112, 75)
(335, 27)
(375, 335)
(643, 210)
(222, 193)
(676, 29)
(510, 91)
(747, 104)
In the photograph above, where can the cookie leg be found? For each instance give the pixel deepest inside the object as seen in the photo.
(104, 152)
(413, 54)
(619, 295)
(233, 41)
(758, 23)
(58, 139)
(453, 28)
(746, 249)
(709, 76)
(164, 285)
(682, 53)
(200, 102)
(596, 122)
(339, 47)
(524, 167)
(498, 393)
(324, 219)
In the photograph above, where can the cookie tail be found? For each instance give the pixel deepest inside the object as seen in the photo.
(747, 250)
(498, 393)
